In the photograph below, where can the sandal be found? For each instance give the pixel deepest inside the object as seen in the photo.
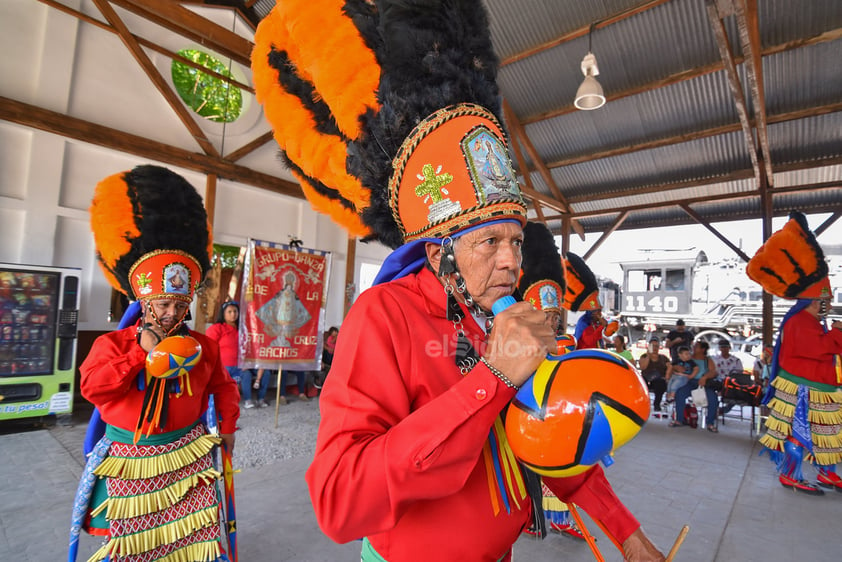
(713, 429)
(676, 424)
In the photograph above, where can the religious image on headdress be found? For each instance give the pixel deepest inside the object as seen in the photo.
(284, 294)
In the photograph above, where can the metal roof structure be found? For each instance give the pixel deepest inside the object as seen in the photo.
(717, 110)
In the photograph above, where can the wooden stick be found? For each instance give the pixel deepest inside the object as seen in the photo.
(277, 397)
(678, 541)
(588, 537)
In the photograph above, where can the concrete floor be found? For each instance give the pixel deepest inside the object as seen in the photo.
(668, 477)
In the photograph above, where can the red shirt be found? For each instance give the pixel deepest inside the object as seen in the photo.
(398, 455)
(591, 337)
(228, 338)
(807, 351)
(109, 382)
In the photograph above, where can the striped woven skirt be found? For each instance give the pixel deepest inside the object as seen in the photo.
(162, 502)
(823, 415)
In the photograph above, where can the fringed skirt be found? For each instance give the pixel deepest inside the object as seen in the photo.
(555, 510)
(823, 415)
(162, 502)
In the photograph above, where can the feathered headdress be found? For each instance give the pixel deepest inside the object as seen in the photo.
(151, 233)
(386, 112)
(791, 264)
(582, 288)
(542, 282)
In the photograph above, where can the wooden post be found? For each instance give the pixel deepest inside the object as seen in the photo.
(565, 248)
(209, 304)
(350, 284)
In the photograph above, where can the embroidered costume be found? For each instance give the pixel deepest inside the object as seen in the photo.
(805, 394)
(397, 136)
(400, 458)
(150, 488)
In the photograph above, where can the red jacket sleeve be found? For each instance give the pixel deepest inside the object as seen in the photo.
(110, 367)
(377, 451)
(592, 492)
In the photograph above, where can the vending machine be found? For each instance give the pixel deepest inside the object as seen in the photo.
(39, 309)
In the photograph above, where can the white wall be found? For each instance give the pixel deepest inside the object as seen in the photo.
(46, 182)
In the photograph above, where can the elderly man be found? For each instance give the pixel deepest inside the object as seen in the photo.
(411, 454)
(156, 492)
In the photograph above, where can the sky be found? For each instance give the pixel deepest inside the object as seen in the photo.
(744, 234)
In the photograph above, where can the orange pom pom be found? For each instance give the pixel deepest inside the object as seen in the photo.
(566, 343)
(173, 357)
(575, 411)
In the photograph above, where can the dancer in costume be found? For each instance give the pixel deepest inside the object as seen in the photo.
(156, 497)
(804, 395)
(411, 454)
(542, 285)
(582, 294)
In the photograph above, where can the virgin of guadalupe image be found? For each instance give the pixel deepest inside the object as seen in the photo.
(283, 314)
(494, 173)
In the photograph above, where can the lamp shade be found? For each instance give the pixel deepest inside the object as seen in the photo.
(590, 94)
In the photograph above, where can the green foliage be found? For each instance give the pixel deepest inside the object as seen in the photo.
(226, 254)
(207, 95)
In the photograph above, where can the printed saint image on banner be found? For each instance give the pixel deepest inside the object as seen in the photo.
(284, 295)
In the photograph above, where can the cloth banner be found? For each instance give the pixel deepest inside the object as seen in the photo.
(282, 307)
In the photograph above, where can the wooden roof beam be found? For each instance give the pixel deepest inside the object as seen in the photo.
(146, 43)
(698, 218)
(828, 223)
(695, 135)
(74, 128)
(689, 74)
(702, 199)
(749, 29)
(250, 147)
(608, 232)
(721, 37)
(521, 164)
(582, 31)
(157, 80)
(519, 134)
(170, 15)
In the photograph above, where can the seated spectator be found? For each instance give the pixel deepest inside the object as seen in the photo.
(680, 371)
(653, 367)
(762, 366)
(302, 386)
(621, 350)
(707, 371)
(727, 365)
(261, 385)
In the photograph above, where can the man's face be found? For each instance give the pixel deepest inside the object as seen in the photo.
(679, 327)
(489, 260)
(169, 312)
(596, 315)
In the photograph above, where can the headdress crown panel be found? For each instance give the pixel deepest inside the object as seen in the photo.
(386, 113)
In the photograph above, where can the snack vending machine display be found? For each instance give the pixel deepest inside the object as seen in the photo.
(39, 308)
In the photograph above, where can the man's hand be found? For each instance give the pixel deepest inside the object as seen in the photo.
(638, 548)
(150, 336)
(228, 439)
(519, 341)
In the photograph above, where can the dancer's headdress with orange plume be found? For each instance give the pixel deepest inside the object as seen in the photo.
(386, 113)
(582, 288)
(151, 234)
(542, 282)
(791, 264)
(153, 242)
